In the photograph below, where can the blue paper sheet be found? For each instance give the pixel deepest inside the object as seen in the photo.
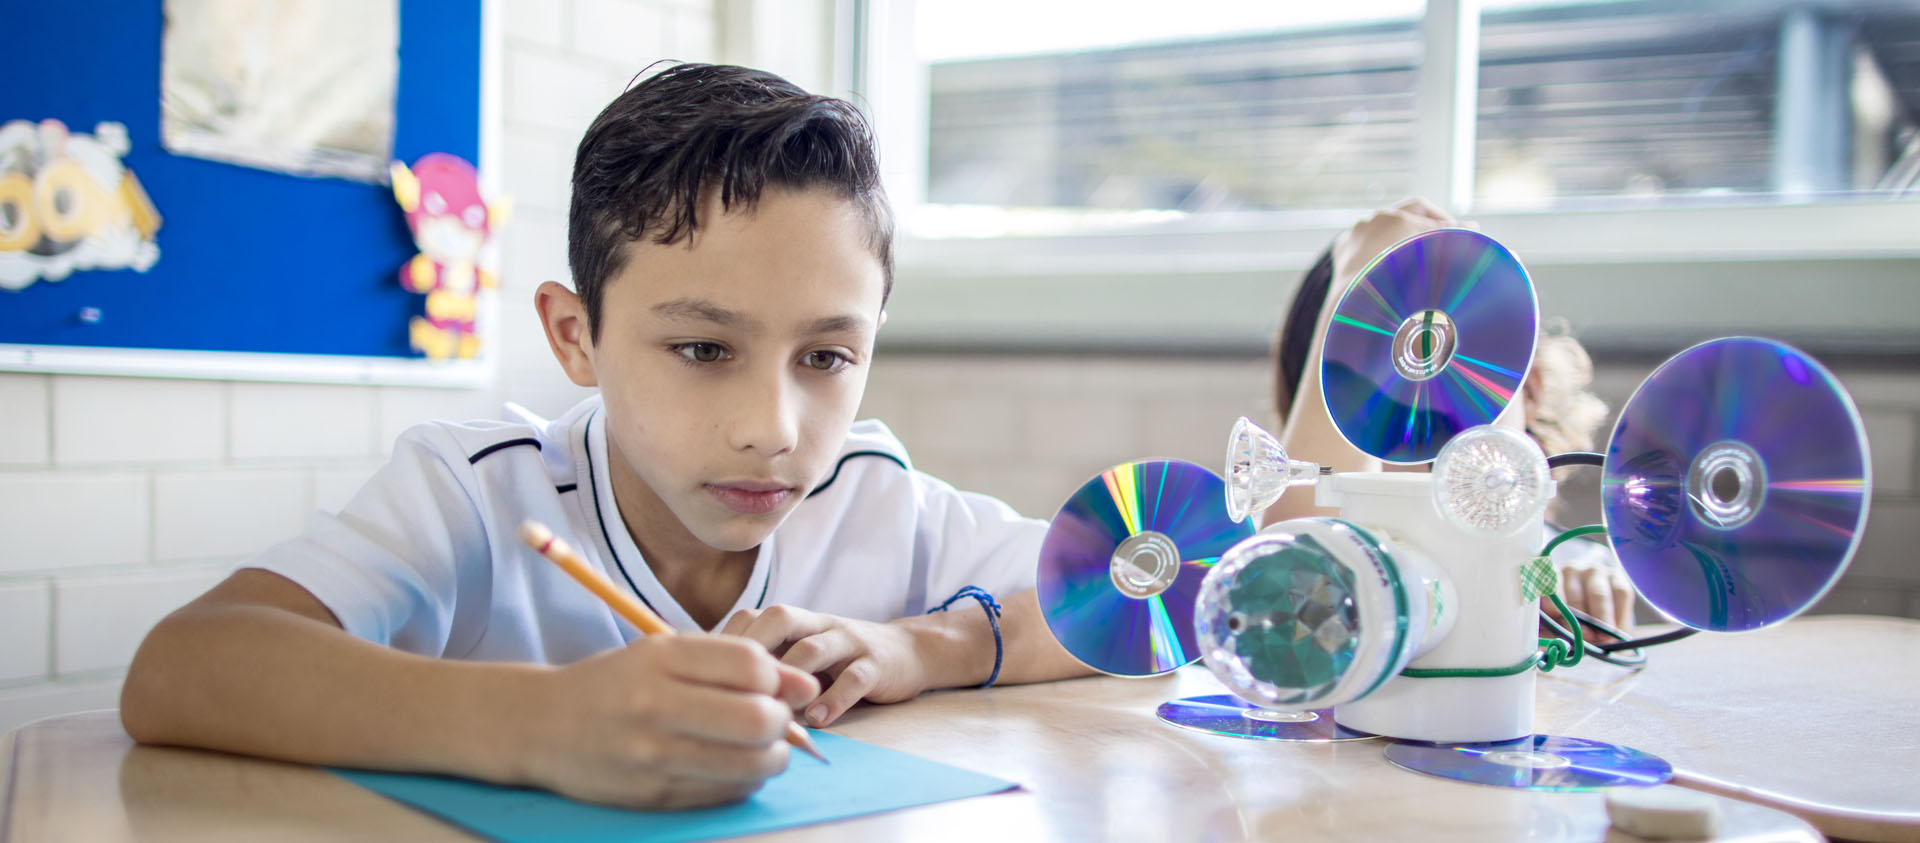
(863, 779)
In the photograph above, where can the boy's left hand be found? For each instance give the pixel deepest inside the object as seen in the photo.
(855, 659)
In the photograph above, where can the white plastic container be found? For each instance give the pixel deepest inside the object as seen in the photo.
(1495, 625)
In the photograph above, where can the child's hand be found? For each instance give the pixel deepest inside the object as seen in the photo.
(1368, 238)
(1601, 591)
(857, 659)
(665, 722)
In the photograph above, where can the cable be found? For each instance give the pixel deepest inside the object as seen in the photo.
(1572, 644)
(1576, 458)
(1636, 661)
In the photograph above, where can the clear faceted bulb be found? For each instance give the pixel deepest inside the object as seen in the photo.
(1491, 480)
(1258, 470)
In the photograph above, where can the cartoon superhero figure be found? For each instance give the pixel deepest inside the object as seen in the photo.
(450, 224)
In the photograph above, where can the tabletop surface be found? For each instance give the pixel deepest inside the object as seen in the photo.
(1822, 713)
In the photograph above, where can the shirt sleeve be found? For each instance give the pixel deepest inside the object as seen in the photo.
(388, 565)
(966, 538)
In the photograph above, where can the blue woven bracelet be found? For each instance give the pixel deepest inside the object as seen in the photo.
(993, 620)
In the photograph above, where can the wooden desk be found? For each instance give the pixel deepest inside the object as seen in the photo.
(1097, 764)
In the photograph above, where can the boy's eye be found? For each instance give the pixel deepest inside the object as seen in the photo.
(702, 352)
(825, 361)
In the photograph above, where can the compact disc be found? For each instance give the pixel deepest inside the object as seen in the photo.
(1435, 336)
(1538, 762)
(1736, 484)
(1123, 561)
(1226, 714)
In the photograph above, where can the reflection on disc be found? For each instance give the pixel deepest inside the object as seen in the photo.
(1736, 484)
(1226, 714)
(1434, 337)
(1123, 561)
(1538, 762)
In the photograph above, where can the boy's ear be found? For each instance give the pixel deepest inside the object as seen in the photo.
(564, 316)
(883, 320)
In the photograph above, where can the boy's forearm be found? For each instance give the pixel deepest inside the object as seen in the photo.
(262, 681)
(957, 647)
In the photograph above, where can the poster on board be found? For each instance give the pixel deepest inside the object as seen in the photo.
(262, 268)
(302, 88)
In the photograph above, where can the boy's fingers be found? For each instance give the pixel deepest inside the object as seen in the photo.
(720, 716)
(816, 653)
(797, 687)
(851, 686)
(778, 626)
(699, 759)
(739, 621)
(1419, 206)
(1623, 599)
(1599, 594)
(722, 662)
(1574, 587)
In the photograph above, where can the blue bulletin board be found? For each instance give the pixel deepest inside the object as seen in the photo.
(253, 264)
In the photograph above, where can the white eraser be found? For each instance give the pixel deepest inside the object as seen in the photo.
(1663, 813)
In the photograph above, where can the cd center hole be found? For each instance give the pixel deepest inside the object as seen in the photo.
(1725, 485)
(1145, 564)
(1425, 343)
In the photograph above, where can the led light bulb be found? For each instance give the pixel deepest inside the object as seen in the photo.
(1258, 470)
(1491, 481)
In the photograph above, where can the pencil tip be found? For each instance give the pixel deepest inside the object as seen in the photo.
(798, 736)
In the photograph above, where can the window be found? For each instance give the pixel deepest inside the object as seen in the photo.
(1050, 115)
(1599, 104)
(1148, 175)
(1141, 111)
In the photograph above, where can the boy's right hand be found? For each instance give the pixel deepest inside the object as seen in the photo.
(666, 722)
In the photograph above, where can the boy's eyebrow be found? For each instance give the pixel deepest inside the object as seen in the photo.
(835, 325)
(708, 311)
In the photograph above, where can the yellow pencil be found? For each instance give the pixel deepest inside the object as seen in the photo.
(538, 537)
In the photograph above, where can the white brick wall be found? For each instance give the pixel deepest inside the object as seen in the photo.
(58, 520)
(138, 420)
(280, 421)
(25, 635)
(99, 620)
(24, 439)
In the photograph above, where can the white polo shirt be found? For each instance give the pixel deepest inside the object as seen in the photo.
(426, 557)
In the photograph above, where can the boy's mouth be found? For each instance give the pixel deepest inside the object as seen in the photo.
(750, 498)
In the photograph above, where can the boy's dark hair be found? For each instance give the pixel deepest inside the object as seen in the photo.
(656, 150)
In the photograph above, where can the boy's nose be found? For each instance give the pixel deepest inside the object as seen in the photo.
(765, 416)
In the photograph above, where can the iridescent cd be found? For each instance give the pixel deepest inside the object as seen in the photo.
(1226, 714)
(1537, 762)
(1736, 484)
(1435, 336)
(1123, 561)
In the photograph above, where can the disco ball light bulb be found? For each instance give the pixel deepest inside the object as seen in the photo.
(1316, 612)
(1258, 470)
(1491, 481)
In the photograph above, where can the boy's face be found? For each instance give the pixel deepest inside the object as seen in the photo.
(731, 366)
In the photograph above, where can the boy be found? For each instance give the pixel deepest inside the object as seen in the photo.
(731, 248)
